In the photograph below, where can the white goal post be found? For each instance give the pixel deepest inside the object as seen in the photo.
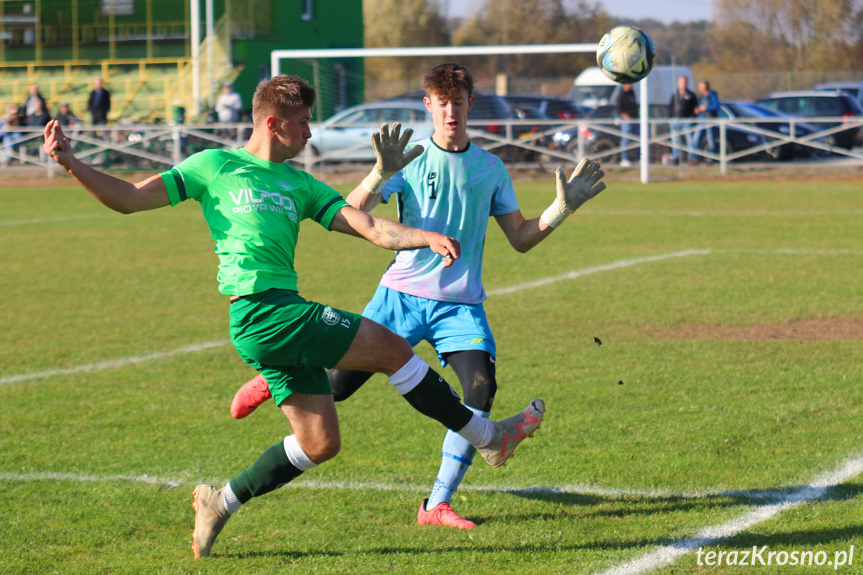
(276, 56)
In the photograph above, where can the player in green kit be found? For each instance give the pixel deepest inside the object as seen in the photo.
(253, 203)
(453, 187)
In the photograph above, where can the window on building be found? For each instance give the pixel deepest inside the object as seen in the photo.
(308, 11)
(120, 7)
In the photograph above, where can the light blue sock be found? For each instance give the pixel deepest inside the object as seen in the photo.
(457, 457)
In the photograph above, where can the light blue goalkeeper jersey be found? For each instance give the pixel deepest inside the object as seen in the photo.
(452, 193)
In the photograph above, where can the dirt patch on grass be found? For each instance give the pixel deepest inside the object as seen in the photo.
(848, 328)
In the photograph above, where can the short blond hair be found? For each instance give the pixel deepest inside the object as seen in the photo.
(281, 96)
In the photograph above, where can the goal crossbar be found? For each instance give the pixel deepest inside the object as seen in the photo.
(277, 55)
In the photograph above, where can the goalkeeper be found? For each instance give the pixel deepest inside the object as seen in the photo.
(453, 188)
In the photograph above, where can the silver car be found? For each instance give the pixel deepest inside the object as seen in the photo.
(347, 136)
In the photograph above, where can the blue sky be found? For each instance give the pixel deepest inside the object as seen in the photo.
(663, 10)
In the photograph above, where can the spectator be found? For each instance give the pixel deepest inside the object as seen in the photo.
(627, 110)
(708, 107)
(682, 105)
(228, 105)
(66, 118)
(33, 100)
(99, 103)
(11, 121)
(37, 116)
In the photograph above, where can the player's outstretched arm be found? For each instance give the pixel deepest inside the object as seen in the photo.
(119, 195)
(392, 235)
(390, 153)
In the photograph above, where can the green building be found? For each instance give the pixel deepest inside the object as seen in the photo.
(143, 50)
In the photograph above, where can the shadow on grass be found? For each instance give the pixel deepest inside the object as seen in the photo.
(807, 538)
(472, 547)
(578, 506)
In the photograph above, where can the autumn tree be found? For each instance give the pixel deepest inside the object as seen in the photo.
(759, 35)
(521, 22)
(400, 23)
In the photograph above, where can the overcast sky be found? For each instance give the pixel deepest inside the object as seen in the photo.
(663, 10)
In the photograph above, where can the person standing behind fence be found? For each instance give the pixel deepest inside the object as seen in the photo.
(627, 110)
(66, 118)
(682, 105)
(34, 105)
(38, 116)
(99, 103)
(708, 107)
(10, 134)
(228, 105)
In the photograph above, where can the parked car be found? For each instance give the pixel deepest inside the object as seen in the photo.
(537, 107)
(855, 89)
(490, 106)
(598, 140)
(546, 106)
(486, 106)
(347, 136)
(817, 104)
(770, 120)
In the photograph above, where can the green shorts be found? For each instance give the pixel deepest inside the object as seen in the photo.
(291, 341)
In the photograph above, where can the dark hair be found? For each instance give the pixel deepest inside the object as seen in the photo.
(281, 96)
(446, 80)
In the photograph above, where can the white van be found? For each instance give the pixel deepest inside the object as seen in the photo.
(593, 88)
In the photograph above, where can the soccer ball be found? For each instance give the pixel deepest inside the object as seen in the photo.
(625, 54)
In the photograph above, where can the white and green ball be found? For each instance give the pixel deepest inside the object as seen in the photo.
(625, 54)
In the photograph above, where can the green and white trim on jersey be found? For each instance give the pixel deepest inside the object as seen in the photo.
(452, 193)
(253, 209)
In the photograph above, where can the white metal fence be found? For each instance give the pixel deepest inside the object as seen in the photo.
(547, 142)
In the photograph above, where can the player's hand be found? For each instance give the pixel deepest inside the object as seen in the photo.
(57, 145)
(390, 154)
(447, 247)
(390, 149)
(582, 185)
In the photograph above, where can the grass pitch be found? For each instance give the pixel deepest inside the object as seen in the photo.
(728, 378)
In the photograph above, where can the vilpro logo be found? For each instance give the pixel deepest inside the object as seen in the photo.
(248, 200)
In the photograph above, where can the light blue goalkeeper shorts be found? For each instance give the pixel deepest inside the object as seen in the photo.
(446, 326)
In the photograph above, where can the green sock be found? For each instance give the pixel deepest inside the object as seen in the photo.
(272, 470)
(433, 397)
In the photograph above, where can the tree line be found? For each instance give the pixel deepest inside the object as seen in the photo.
(801, 37)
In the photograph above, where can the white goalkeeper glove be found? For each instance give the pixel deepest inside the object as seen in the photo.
(390, 153)
(582, 185)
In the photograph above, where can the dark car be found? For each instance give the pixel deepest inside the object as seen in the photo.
(598, 140)
(490, 106)
(854, 89)
(486, 106)
(546, 106)
(816, 104)
(773, 121)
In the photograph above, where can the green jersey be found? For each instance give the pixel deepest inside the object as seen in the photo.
(253, 208)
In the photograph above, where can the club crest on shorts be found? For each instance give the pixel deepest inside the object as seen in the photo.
(330, 316)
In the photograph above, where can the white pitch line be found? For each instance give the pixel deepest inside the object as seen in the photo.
(207, 345)
(201, 346)
(720, 214)
(669, 553)
(52, 476)
(579, 489)
(596, 269)
(114, 363)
